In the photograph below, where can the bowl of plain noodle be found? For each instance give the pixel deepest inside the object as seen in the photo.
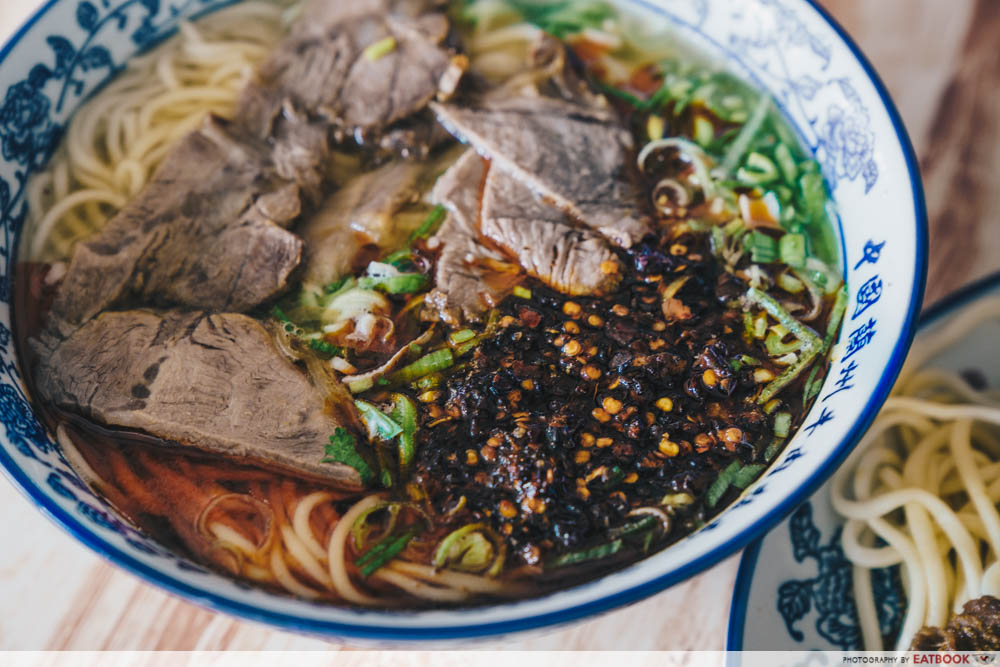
(899, 550)
(427, 320)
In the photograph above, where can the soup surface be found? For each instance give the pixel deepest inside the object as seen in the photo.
(410, 303)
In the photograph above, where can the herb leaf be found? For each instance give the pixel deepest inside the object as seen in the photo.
(323, 347)
(343, 449)
(379, 424)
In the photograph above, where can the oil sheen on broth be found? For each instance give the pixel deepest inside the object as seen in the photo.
(506, 296)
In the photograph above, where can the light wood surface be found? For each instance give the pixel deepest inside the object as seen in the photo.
(939, 60)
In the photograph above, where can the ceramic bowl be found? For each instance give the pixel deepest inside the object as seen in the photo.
(821, 82)
(794, 590)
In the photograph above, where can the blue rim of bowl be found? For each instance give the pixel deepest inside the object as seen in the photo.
(360, 631)
(748, 563)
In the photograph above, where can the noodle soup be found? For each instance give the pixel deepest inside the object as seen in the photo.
(306, 335)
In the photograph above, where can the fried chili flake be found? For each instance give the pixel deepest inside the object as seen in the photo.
(582, 410)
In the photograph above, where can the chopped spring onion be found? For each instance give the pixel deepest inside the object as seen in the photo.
(400, 258)
(824, 275)
(430, 223)
(468, 346)
(404, 413)
(749, 328)
(758, 170)
(778, 312)
(718, 237)
(784, 195)
(386, 475)
(470, 549)
(783, 156)
(342, 365)
(773, 449)
(435, 362)
(404, 283)
(745, 138)
(790, 283)
(813, 192)
(763, 249)
(760, 326)
(747, 474)
(360, 386)
(444, 548)
(792, 250)
(782, 424)
(584, 555)
(393, 547)
(655, 127)
(812, 345)
(361, 528)
(428, 382)
(813, 385)
(379, 424)
(787, 359)
(672, 500)
(645, 523)
(786, 378)
(721, 484)
(777, 348)
(522, 292)
(461, 336)
(734, 227)
(836, 315)
(381, 48)
(704, 131)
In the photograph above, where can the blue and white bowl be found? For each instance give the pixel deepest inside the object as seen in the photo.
(791, 48)
(795, 590)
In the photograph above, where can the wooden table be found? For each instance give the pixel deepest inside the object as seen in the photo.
(940, 61)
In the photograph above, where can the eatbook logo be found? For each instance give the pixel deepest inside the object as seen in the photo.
(953, 658)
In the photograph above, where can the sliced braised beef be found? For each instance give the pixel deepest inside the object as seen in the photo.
(358, 215)
(546, 244)
(356, 66)
(207, 231)
(549, 129)
(470, 278)
(216, 382)
(574, 155)
(412, 139)
(300, 150)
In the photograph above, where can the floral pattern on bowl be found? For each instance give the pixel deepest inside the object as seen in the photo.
(70, 48)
